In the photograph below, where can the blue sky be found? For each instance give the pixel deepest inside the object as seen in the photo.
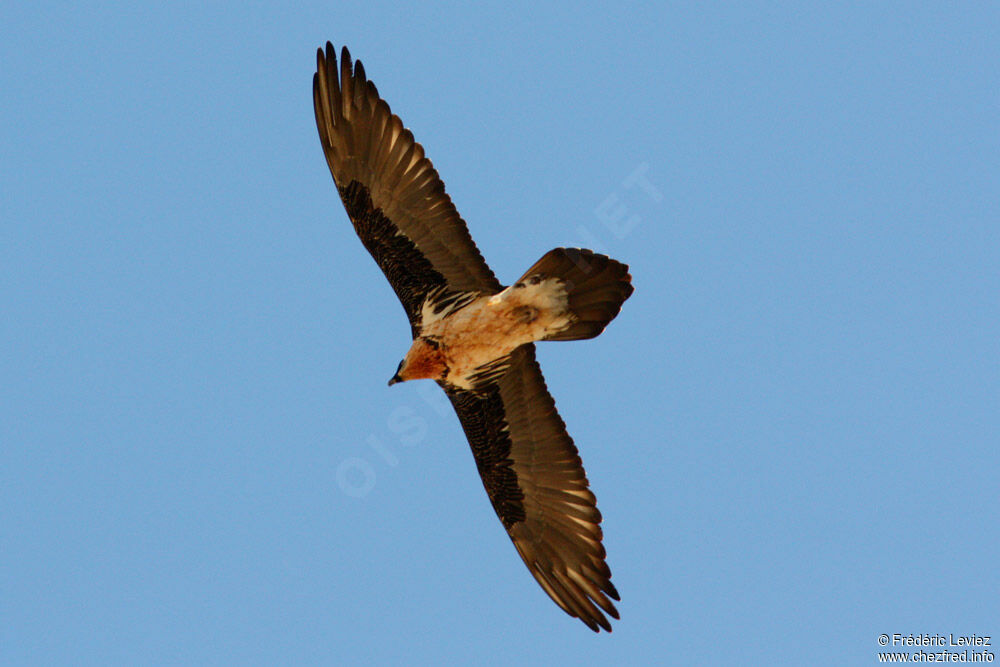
(791, 428)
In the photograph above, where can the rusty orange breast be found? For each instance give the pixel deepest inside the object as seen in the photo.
(423, 361)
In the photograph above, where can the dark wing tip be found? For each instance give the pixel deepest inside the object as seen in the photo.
(611, 591)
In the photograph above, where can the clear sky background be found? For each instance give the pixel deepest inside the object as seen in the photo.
(792, 427)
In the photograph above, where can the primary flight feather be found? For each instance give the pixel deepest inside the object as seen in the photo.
(475, 337)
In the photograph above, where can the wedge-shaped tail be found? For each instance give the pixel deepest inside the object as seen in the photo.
(596, 287)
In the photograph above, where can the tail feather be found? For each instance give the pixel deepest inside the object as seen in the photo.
(596, 286)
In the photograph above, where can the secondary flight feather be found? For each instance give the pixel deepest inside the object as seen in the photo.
(476, 337)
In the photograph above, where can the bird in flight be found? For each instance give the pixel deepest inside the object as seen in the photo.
(475, 337)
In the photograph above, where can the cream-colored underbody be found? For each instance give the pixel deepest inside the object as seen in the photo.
(491, 327)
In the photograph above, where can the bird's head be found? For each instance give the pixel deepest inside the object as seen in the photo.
(425, 360)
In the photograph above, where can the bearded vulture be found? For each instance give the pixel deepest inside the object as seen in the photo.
(476, 337)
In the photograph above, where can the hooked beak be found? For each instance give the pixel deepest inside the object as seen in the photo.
(395, 378)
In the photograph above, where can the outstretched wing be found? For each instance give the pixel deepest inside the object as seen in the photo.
(392, 193)
(535, 480)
